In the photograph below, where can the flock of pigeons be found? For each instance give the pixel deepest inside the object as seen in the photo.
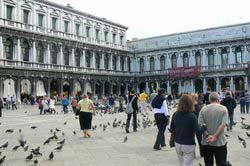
(35, 153)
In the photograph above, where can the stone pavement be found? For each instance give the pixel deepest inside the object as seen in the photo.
(105, 148)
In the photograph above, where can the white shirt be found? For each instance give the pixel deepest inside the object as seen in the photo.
(163, 110)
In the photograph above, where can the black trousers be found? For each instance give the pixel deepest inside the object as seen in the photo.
(161, 122)
(219, 152)
(242, 108)
(134, 114)
(199, 137)
(0, 112)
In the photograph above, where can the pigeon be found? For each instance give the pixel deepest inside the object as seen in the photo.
(63, 134)
(248, 134)
(59, 147)
(242, 118)
(65, 123)
(125, 139)
(29, 157)
(51, 156)
(33, 127)
(9, 131)
(241, 139)
(58, 130)
(74, 132)
(26, 147)
(22, 142)
(4, 145)
(200, 164)
(51, 130)
(2, 160)
(19, 130)
(37, 149)
(61, 142)
(0, 153)
(36, 152)
(76, 117)
(15, 147)
(226, 135)
(244, 144)
(35, 161)
(47, 141)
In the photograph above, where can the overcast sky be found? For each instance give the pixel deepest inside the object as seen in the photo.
(147, 18)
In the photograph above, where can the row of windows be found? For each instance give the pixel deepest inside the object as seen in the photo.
(66, 23)
(54, 52)
(210, 59)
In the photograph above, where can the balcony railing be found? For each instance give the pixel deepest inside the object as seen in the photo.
(34, 28)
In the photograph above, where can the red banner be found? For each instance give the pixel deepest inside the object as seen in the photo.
(185, 72)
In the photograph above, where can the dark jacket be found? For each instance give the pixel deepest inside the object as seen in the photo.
(1, 104)
(230, 103)
(206, 98)
(134, 103)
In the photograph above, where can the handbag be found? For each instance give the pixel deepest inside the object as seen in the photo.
(171, 141)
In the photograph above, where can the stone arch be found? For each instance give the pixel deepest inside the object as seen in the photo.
(40, 90)
(107, 87)
(106, 61)
(114, 60)
(25, 47)
(25, 87)
(97, 60)
(210, 57)
(224, 56)
(40, 51)
(115, 88)
(225, 82)
(122, 64)
(175, 88)
(9, 88)
(152, 86)
(9, 48)
(54, 87)
(152, 63)
(141, 65)
(98, 88)
(78, 57)
(185, 60)
(54, 54)
(198, 85)
(66, 88)
(164, 85)
(88, 88)
(211, 83)
(238, 55)
(142, 86)
(239, 83)
(162, 62)
(66, 55)
(197, 58)
(174, 60)
(87, 58)
(77, 90)
(123, 89)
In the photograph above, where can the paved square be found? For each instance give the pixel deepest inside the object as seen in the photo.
(105, 147)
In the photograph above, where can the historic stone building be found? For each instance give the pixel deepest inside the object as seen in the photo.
(50, 49)
(192, 61)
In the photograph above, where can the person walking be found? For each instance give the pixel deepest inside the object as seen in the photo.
(242, 104)
(206, 96)
(13, 102)
(132, 98)
(215, 116)
(65, 103)
(197, 108)
(1, 106)
(183, 127)
(40, 105)
(52, 105)
(247, 101)
(112, 102)
(143, 98)
(161, 114)
(230, 104)
(86, 109)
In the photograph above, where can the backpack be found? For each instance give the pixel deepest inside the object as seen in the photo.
(129, 108)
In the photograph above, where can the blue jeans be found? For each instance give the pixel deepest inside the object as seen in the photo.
(231, 121)
(247, 107)
(65, 109)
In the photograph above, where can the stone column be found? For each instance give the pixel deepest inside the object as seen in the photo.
(147, 88)
(18, 90)
(72, 59)
(246, 83)
(231, 57)
(180, 86)
(179, 60)
(168, 87)
(192, 90)
(1, 47)
(118, 64)
(244, 56)
(92, 65)
(1, 87)
(192, 58)
(102, 60)
(48, 89)
(34, 52)
(60, 60)
(204, 85)
(232, 84)
(218, 85)
(48, 54)
(204, 61)
(33, 87)
(125, 63)
(111, 62)
(217, 56)
(82, 59)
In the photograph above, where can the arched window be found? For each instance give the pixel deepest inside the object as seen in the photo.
(224, 56)
(66, 55)
(40, 53)
(162, 62)
(106, 61)
(174, 61)
(185, 60)
(129, 67)
(152, 63)
(97, 60)
(114, 62)
(122, 63)
(25, 50)
(8, 47)
(198, 58)
(210, 57)
(238, 55)
(87, 58)
(53, 54)
(77, 57)
(141, 65)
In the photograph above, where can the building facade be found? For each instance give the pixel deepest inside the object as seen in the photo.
(50, 49)
(192, 61)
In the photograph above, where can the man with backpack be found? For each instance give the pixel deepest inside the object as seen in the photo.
(131, 109)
